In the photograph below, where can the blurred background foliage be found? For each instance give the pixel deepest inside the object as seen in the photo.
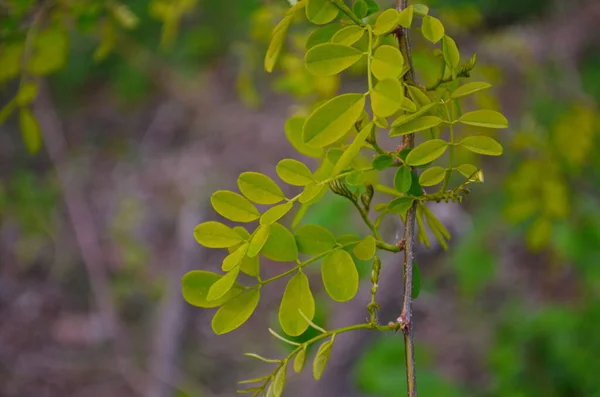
(160, 102)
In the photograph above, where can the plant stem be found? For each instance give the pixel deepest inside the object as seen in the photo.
(451, 157)
(409, 233)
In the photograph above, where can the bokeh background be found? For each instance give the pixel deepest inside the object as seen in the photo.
(145, 108)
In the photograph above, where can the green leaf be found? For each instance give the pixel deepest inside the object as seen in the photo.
(27, 93)
(223, 285)
(484, 118)
(259, 239)
(216, 235)
(294, 172)
(321, 359)
(340, 276)
(383, 161)
(259, 188)
(312, 192)
(275, 213)
(293, 132)
(297, 296)
(234, 206)
(333, 119)
(334, 154)
(281, 245)
(348, 35)
(406, 16)
(416, 281)
(386, 22)
(432, 29)
(407, 123)
(30, 131)
(300, 360)
(467, 170)
(360, 9)
(50, 51)
(365, 250)
(195, 286)
(314, 239)
(403, 179)
(387, 62)
(421, 9)
(330, 59)
(357, 178)
(400, 205)
(242, 232)
(426, 152)
(469, 89)
(432, 176)
(451, 53)
(320, 12)
(352, 151)
(418, 95)
(235, 312)
(482, 145)
(11, 56)
(279, 381)
(321, 35)
(234, 258)
(347, 239)
(387, 97)
(372, 7)
(277, 41)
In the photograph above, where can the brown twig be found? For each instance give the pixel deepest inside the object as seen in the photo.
(409, 233)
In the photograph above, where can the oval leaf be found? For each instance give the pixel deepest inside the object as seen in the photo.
(330, 59)
(321, 35)
(405, 118)
(281, 245)
(259, 188)
(293, 133)
(277, 41)
(300, 360)
(352, 151)
(432, 29)
(432, 176)
(223, 285)
(387, 62)
(386, 22)
(321, 359)
(484, 118)
(314, 239)
(467, 170)
(216, 235)
(482, 145)
(259, 239)
(294, 172)
(333, 119)
(320, 12)
(30, 131)
(235, 312)
(273, 214)
(365, 250)
(416, 125)
(296, 297)
(234, 258)
(348, 35)
(279, 381)
(406, 16)
(387, 97)
(195, 286)
(312, 192)
(400, 205)
(450, 53)
(426, 152)
(234, 206)
(469, 89)
(383, 161)
(340, 276)
(403, 179)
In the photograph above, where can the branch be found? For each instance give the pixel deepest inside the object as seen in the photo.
(409, 232)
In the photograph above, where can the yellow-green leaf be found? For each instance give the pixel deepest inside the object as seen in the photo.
(482, 145)
(451, 53)
(234, 258)
(387, 97)
(469, 89)
(387, 62)
(330, 59)
(403, 179)
(406, 16)
(293, 132)
(195, 286)
(277, 41)
(386, 22)
(30, 130)
(279, 381)
(49, 51)
(294, 172)
(467, 170)
(365, 250)
(485, 118)
(300, 359)
(333, 119)
(235, 312)
(432, 176)
(223, 285)
(426, 152)
(352, 151)
(418, 95)
(400, 205)
(10, 58)
(415, 125)
(296, 297)
(242, 232)
(321, 359)
(314, 239)
(259, 239)
(348, 35)
(275, 213)
(259, 188)
(281, 245)
(382, 162)
(320, 12)
(340, 276)
(27, 93)
(432, 29)
(216, 235)
(321, 35)
(234, 206)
